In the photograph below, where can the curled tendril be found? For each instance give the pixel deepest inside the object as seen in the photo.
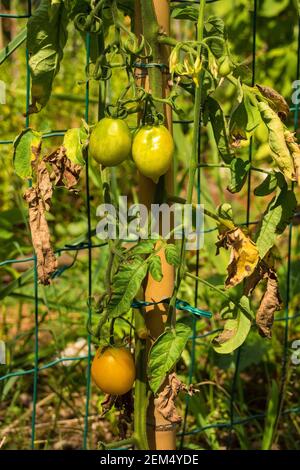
(132, 46)
(102, 72)
(88, 23)
(116, 111)
(147, 51)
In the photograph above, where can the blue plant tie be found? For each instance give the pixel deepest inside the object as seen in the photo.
(179, 304)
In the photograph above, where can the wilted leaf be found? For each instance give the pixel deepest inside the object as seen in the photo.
(294, 149)
(235, 330)
(38, 199)
(46, 38)
(275, 220)
(107, 404)
(276, 101)
(166, 351)
(244, 255)
(258, 274)
(26, 148)
(239, 170)
(65, 172)
(270, 303)
(277, 143)
(165, 402)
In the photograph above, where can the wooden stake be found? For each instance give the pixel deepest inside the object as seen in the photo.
(161, 435)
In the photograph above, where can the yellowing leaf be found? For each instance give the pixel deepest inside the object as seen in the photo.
(244, 256)
(294, 149)
(27, 147)
(278, 145)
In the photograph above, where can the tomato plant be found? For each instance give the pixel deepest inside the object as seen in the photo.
(143, 280)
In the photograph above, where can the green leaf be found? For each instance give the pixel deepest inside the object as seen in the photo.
(269, 184)
(166, 351)
(271, 417)
(26, 148)
(275, 220)
(73, 145)
(214, 27)
(155, 268)
(185, 13)
(46, 39)
(143, 247)
(245, 117)
(239, 170)
(272, 8)
(235, 330)
(172, 255)
(220, 130)
(125, 286)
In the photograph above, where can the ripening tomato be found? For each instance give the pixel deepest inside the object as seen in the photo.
(152, 151)
(113, 370)
(110, 142)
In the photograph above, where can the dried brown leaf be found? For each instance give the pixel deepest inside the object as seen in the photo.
(38, 199)
(165, 402)
(64, 171)
(259, 273)
(276, 101)
(244, 255)
(225, 335)
(270, 303)
(107, 403)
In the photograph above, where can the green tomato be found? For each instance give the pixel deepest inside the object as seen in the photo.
(224, 66)
(152, 151)
(110, 142)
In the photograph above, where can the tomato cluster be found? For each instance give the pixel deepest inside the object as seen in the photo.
(152, 147)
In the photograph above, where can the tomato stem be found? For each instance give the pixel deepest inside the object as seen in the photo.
(192, 166)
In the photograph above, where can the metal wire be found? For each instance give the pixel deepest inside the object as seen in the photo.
(89, 246)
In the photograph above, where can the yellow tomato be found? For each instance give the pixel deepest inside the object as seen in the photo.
(113, 370)
(152, 151)
(110, 142)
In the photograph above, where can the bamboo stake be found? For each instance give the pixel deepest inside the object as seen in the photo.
(161, 435)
